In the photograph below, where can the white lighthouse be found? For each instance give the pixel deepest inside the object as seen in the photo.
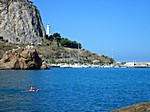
(48, 30)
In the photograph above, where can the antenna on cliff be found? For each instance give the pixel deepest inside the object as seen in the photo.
(112, 53)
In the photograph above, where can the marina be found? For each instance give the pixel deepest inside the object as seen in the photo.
(116, 65)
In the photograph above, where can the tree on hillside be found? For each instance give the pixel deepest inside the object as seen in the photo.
(65, 42)
(71, 44)
(50, 38)
(57, 37)
(80, 46)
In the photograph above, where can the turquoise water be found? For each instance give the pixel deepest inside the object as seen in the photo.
(73, 90)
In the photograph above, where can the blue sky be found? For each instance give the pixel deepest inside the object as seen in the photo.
(102, 25)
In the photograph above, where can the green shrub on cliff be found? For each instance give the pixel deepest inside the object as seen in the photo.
(65, 42)
(71, 44)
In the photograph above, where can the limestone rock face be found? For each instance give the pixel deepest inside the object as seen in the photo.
(22, 58)
(20, 22)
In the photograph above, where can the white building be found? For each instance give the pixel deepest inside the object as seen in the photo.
(137, 64)
(48, 30)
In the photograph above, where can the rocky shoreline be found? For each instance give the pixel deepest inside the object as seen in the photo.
(22, 58)
(142, 107)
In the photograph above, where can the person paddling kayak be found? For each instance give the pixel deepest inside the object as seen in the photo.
(31, 89)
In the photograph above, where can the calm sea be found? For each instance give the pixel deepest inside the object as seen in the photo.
(73, 90)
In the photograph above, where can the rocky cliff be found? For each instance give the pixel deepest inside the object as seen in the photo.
(20, 22)
(22, 58)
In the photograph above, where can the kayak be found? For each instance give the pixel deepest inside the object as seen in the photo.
(33, 91)
(30, 91)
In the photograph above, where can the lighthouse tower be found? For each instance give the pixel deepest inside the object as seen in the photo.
(48, 30)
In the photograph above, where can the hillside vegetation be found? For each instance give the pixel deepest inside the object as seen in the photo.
(56, 53)
(57, 49)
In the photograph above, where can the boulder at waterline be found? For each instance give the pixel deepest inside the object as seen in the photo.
(22, 58)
